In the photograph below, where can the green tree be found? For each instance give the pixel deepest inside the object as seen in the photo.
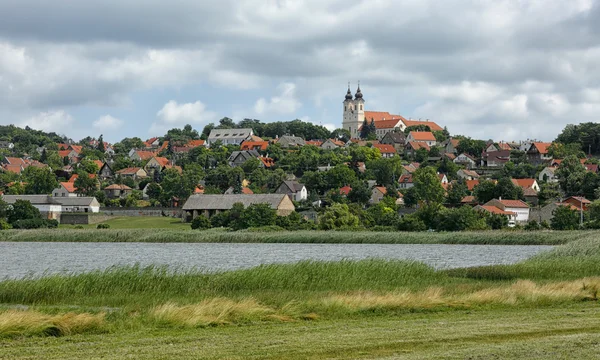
(571, 175)
(256, 215)
(337, 216)
(154, 191)
(21, 210)
(341, 134)
(427, 185)
(563, 218)
(39, 180)
(101, 146)
(484, 191)
(201, 223)
(460, 219)
(360, 193)
(85, 184)
(456, 192)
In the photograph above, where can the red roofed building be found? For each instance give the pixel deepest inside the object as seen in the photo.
(495, 210)
(410, 149)
(141, 155)
(520, 208)
(422, 136)
(266, 162)
(387, 151)
(538, 152)
(527, 183)
(433, 126)
(578, 202)
(254, 145)
(65, 189)
(471, 184)
(405, 181)
(345, 190)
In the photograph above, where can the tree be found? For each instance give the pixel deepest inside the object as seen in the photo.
(563, 218)
(338, 216)
(456, 192)
(101, 146)
(364, 129)
(39, 180)
(21, 210)
(85, 184)
(154, 191)
(386, 171)
(341, 134)
(496, 221)
(485, 191)
(256, 215)
(471, 147)
(549, 192)
(505, 189)
(460, 219)
(427, 185)
(360, 193)
(201, 223)
(571, 175)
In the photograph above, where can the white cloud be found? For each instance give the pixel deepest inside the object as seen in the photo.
(283, 103)
(56, 121)
(174, 114)
(107, 122)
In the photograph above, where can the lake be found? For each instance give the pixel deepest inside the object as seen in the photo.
(19, 259)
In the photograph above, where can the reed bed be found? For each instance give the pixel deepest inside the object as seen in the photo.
(317, 237)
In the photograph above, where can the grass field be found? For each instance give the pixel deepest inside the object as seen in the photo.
(169, 230)
(139, 222)
(544, 307)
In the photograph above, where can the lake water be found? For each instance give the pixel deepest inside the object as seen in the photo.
(22, 259)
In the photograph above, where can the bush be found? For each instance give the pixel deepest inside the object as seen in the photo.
(201, 223)
(102, 226)
(22, 210)
(4, 225)
(532, 226)
(78, 227)
(411, 223)
(35, 224)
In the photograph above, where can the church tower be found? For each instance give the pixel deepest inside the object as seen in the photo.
(354, 112)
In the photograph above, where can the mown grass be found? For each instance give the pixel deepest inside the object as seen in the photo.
(158, 297)
(159, 235)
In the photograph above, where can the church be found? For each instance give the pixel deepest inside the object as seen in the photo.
(355, 114)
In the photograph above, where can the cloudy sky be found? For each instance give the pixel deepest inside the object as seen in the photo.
(501, 69)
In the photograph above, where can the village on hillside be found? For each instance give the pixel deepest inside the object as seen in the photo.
(377, 171)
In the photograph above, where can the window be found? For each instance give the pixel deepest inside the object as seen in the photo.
(361, 107)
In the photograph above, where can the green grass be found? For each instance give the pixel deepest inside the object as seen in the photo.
(538, 308)
(139, 222)
(161, 235)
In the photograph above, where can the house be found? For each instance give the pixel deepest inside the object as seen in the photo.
(383, 127)
(520, 208)
(287, 141)
(254, 145)
(316, 143)
(229, 136)
(156, 163)
(504, 146)
(451, 146)
(405, 181)
(237, 158)
(330, 144)
(152, 143)
(133, 172)
(410, 149)
(490, 147)
(512, 216)
(394, 138)
(466, 160)
(548, 175)
(6, 145)
(209, 205)
(443, 178)
(65, 189)
(469, 200)
(245, 190)
(410, 168)
(578, 202)
(495, 158)
(117, 191)
(471, 184)
(345, 190)
(378, 192)
(467, 174)
(387, 151)
(293, 189)
(422, 136)
(527, 183)
(266, 162)
(538, 153)
(141, 155)
(51, 207)
(591, 168)
(105, 171)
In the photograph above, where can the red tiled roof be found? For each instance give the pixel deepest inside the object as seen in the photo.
(267, 162)
(69, 186)
(164, 145)
(471, 184)
(64, 153)
(314, 142)
(383, 189)
(579, 199)
(591, 167)
(117, 187)
(145, 155)
(386, 124)
(345, 190)
(162, 161)
(470, 199)
(514, 203)
(406, 179)
(385, 149)
(254, 145)
(450, 156)
(75, 176)
(524, 183)
(195, 143)
(15, 160)
(98, 163)
(130, 170)
(176, 167)
(433, 126)
(62, 146)
(76, 148)
(504, 146)
(542, 147)
(381, 116)
(422, 135)
(17, 169)
(247, 190)
(199, 190)
(416, 145)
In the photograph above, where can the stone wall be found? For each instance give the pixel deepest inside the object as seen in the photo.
(146, 211)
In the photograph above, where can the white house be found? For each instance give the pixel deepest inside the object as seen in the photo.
(548, 175)
(293, 189)
(421, 136)
(467, 174)
(520, 208)
(229, 136)
(65, 189)
(52, 207)
(466, 160)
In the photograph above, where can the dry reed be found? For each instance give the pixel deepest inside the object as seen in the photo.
(32, 323)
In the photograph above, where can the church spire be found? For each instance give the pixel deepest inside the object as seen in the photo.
(349, 93)
(358, 94)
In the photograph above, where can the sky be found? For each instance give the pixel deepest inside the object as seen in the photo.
(489, 69)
